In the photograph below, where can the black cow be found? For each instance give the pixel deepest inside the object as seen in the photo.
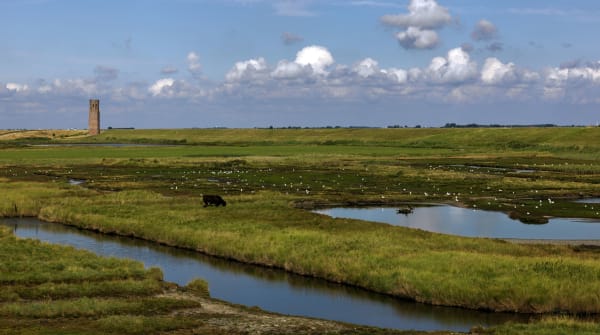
(213, 200)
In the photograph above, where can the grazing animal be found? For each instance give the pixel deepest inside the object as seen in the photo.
(213, 200)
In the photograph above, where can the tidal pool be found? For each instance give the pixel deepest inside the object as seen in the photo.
(269, 289)
(473, 223)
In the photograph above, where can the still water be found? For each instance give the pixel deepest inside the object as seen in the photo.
(589, 201)
(271, 290)
(473, 223)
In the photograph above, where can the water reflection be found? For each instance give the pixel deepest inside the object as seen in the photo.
(473, 223)
(269, 289)
(76, 181)
(589, 201)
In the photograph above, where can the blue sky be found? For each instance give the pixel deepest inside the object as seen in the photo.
(256, 63)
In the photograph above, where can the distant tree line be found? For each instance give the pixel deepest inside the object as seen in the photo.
(475, 125)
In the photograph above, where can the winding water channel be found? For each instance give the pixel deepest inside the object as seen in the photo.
(475, 223)
(269, 289)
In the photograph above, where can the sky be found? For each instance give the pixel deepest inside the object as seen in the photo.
(307, 63)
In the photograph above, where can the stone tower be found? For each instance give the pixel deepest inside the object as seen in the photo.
(94, 119)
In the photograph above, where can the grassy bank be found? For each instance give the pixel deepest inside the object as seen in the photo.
(53, 289)
(547, 326)
(427, 267)
(501, 138)
(49, 289)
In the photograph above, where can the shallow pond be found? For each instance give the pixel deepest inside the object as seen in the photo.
(271, 290)
(473, 223)
(589, 201)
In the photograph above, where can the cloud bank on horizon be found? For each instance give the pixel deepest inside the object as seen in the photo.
(410, 62)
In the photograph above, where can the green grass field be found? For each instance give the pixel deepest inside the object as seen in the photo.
(58, 290)
(152, 192)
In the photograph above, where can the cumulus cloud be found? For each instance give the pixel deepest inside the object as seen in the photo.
(160, 85)
(415, 38)
(399, 75)
(194, 65)
(317, 57)
(454, 78)
(423, 18)
(246, 69)
(495, 72)
(75, 86)
(366, 67)
(288, 38)
(579, 83)
(369, 68)
(484, 31)
(171, 88)
(425, 14)
(289, 70)
(312, 63)
(455, 68)
(559, 76)
(14, 87)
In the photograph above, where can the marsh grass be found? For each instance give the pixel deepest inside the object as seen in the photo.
(88, 307)
(427, 267)
(555, 325)
(43, 285)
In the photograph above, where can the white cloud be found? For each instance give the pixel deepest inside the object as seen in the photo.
(366, 67)
(314, 76)
(495, 72)
(45, 88)
(369, 67)
(289, 70)
(455, 68)
(424, 17)
(579, 84)
(484, 30)
(194, 65)
(317, 57)
(160, 85)
(75, 86)
(246, 69)
(425, 14)
(562, 76)
(399, 75)
(313, 59)
(416, 38)
(17, 87)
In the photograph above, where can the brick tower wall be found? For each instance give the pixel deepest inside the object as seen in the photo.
(94, 118)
